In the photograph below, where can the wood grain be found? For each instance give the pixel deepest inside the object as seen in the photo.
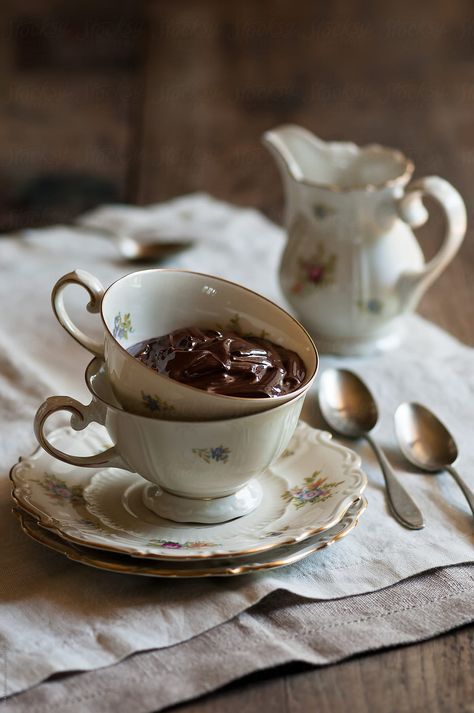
(434, 676)
(219, 74)
(69, 77)
(171, 98)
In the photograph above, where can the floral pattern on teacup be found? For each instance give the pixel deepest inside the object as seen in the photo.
(173, 545)
(234, 325)
(314, 490)
(316, 271)
(157, 406)
(122, 326)
(219, 454)
(58, 489)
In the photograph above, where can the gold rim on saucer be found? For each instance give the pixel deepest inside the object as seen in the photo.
(127, 565)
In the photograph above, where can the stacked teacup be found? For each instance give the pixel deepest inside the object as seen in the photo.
(201, 451)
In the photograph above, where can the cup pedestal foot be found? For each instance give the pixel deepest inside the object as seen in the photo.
(209, 511)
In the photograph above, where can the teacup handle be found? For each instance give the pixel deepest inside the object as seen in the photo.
(412, 285)
(96, 292)
(81, 416)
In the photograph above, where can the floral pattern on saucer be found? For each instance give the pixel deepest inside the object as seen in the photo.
(58, 489)
(314, 490)
(112, 517)
(172, 545)
(279, 557)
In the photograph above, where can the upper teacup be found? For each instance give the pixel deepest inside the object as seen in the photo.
(151, 303)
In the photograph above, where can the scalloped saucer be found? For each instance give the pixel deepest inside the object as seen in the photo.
(122, 564)
(306, 492)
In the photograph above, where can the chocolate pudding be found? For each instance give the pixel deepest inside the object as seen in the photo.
(223, 362)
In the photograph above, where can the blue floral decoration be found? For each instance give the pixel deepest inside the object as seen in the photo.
(219, 454)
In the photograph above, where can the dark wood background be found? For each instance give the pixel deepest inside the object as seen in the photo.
(141, 101)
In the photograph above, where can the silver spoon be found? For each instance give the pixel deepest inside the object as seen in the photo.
(427, 443)
(350, 410)
(140, 246)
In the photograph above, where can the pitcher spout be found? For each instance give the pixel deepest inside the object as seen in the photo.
(292, 148)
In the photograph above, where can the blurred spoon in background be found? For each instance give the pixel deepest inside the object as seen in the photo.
(140, 246)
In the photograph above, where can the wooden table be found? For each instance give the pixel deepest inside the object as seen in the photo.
(165, 98)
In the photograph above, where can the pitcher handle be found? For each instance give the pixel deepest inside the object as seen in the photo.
(412, 285)
(96, 292)
(81, 416)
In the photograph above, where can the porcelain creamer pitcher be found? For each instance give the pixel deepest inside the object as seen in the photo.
(352, 267)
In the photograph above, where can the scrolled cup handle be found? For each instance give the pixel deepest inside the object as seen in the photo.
(412, 284)
(96, 292)
(81, 416)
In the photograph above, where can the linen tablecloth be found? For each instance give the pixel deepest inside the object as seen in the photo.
(282, 629)
(57, 616)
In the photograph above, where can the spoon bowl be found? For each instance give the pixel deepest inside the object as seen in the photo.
(423, 439)
(346, 403)
(427, 444)
(350, 410)
(140, 251)
(139, 246)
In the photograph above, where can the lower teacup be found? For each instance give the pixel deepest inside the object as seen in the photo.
(201, 471)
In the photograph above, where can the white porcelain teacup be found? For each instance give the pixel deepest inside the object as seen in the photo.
(151, 303)
(201, 471)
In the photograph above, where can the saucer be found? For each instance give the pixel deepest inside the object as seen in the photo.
(306, 492)
(284, 556)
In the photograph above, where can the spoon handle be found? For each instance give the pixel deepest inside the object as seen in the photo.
(463, 485)
(402, 505)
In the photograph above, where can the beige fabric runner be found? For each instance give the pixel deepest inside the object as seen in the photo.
(57, 616)
(280, 630)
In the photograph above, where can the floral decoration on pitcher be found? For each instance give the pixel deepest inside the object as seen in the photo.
(58, 490)
(314, 490)
(317, 271)
(157, 406)
(372, 305)
(122, 326)
(323, 210)
(172, 545)
(220, 454)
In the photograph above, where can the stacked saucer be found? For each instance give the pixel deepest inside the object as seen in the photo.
(313, 498)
